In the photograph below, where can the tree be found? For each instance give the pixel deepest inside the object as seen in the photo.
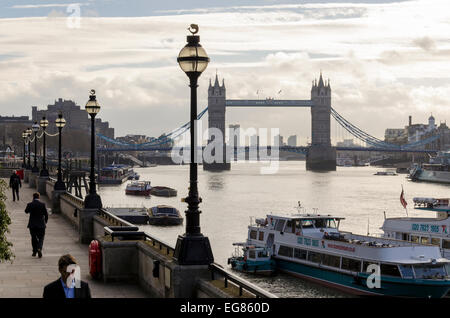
(5, 246)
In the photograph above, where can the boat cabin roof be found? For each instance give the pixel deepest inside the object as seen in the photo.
(306, 217)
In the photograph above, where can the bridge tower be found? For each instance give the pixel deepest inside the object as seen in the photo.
(216, 119)
(321, 155)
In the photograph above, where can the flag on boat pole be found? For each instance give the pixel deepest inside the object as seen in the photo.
(403, 201)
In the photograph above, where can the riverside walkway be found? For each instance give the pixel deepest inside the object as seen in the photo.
(26, 276)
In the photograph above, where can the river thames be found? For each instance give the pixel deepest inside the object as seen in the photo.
(231, 198)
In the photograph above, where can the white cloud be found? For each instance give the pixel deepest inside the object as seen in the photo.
(367, 50)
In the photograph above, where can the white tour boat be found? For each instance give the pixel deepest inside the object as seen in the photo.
(429, 230)
(311, 246)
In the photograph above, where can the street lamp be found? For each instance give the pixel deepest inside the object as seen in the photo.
(35, 128)
(60, 123)
(29, 131)
(92, 200)
(44, 125)
(24, 136)
(193, 248)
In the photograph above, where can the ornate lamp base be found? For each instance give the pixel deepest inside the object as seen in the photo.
(92, 201)
(193, 250)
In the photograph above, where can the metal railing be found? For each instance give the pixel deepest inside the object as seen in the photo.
(242, 284)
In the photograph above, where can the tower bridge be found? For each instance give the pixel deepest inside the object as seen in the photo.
(321, 154)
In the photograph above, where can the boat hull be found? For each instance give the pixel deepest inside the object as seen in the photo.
(137, 192)
(253, 267)
(155, 220)
(356, 284)
(433, 176)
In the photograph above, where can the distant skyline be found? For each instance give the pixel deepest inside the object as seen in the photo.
(385, 60)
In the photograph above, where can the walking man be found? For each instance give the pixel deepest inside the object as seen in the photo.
(14, 184)
(69, 284)
(37, 223)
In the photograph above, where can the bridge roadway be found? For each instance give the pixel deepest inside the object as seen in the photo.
(27, 275)
(301, 149)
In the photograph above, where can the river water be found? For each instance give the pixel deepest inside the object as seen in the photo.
(231, 198)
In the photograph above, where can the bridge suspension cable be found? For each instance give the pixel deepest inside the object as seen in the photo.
(373, 141)
(158, 141)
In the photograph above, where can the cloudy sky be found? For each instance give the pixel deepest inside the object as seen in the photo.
(385, 60)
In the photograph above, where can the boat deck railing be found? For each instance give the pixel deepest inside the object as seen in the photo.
(378, 242)
(243, 285)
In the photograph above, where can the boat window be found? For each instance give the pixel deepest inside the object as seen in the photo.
(445, 243)
(436, 241)
(314, 257)
(253, 235)
(351, 264)
(424, 240)
(366, 264)
(300, 254)
(280, 225)
(429, 271)
(331, 223)
(406, 271)
(390, 270)
(285, 251)
(414, 239)
(262, 254)
(331, 260)
(290, 226)
(261, 236)
(307, 224)
(251, 254)
(320, 223)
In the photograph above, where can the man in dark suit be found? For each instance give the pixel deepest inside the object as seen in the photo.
(37, 223)
(68, 285)
(14, 184)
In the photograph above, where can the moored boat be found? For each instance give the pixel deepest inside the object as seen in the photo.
(312, 247)
(252, 259)
(385, 173)
(427, 230)
(138, 188)
(163, 191)
(115, 174)
(437, 170)
(164, 215)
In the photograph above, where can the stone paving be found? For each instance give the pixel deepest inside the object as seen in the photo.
(26, 276)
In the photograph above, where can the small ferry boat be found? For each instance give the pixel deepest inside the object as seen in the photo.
(427, 230)
(138, 188)
(163, 191)
(164, 215)
(385, 173)
(437, 170)
(115, 174)
(312, 247)
(252, 259)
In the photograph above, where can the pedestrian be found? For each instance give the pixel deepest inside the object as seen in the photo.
(37, 223)
(68, 285)
(14, 184)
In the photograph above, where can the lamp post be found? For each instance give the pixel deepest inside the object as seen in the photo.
(35, 128)
(193, 248)
(24, 136)
(29, 132)
(44, 125)
(60, 123)
(92, 200)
